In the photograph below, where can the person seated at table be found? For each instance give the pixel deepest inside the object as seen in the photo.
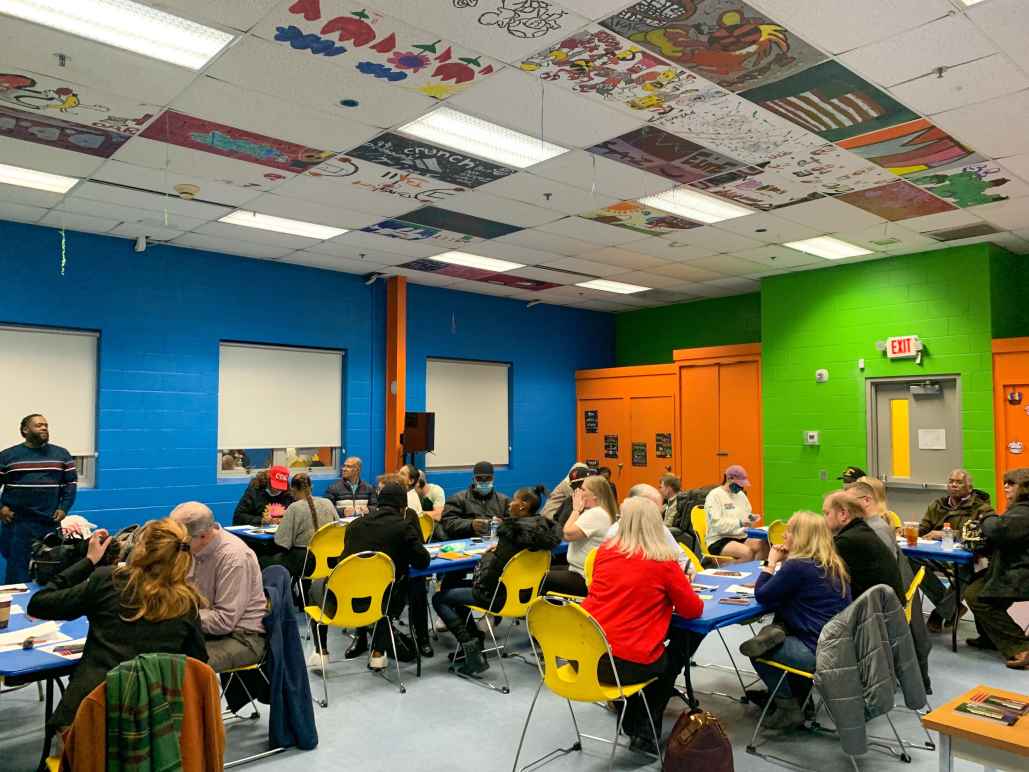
(866, 497)
(303, 517)
(227, 574)
(962, 503)
(594, 511)
(522, 529)
(409, 475)
(805, 583)
(869, 562)
(1006, 580)
(468, 512)
(728, 515)
(605, 472)
(1012, 479)
(432, 496)
(650, 493)
(637, 584)
(350, 494)
(390, 530)
(146, 605)
(265, 499)
(559, 502)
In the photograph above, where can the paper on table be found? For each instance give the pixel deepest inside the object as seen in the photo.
(47, 631)
(741, 589)
(13, 588)
(66, 641)
(16, 609)
(724, 572)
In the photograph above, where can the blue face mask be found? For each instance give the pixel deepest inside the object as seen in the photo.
(735, 488)
(484, 488)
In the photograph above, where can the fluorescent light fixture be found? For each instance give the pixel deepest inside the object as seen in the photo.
(605, 285)
(124, 24)
(30, 178)
(828, 247)
(266, 222)
(477, 261)
(469, 134)
(695, 206)
(971, 2)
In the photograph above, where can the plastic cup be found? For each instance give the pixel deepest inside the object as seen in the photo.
(5, 610)
(911, 534)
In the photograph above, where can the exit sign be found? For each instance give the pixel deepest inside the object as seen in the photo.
(903, 347)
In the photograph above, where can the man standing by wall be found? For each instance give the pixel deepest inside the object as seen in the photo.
(39, 482)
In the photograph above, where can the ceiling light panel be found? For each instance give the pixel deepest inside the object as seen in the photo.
(30, 178)
(477, 261)
(266, 222)
(828, 247)
(606, 285)
(694, 205)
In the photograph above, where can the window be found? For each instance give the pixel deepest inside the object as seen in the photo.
(470, 400)
(52, 372)
(278, 405)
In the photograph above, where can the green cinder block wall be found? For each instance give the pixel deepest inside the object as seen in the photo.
(648, 336)
(833, 317)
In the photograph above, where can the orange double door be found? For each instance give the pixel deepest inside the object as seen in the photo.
(694, 416)
(1010, 408)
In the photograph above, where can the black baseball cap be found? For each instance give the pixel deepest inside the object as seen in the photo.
(578, 474)
(483, 469)
(851, 474)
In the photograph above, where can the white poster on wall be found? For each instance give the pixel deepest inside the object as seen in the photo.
(932, 439)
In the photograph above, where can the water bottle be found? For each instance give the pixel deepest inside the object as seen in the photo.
(494, 524)
(948, 537)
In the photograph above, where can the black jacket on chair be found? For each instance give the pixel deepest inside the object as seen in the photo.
(468, 505)
(514, 535)
(869, 562)
(1008, 536)
(390, 531)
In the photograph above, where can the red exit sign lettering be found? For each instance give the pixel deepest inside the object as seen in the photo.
(903, 347)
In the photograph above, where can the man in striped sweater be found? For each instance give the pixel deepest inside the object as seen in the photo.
(37, 488)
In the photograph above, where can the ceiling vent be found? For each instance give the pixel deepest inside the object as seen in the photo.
(963, 232)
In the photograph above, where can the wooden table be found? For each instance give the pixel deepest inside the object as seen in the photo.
(980, 740)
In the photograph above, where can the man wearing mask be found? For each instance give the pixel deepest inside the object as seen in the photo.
(39, 481)
(469, 512)
(350, 494)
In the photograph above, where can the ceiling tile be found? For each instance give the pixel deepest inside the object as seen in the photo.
(738, 285)
(624, 257)
(889, 237)
(727, 265)
(237, 14)
(840, 25)
(966, 84)
(424, 278)
(77, 222)
(274, 69)
(1019, 164)
(480, 204)
(589, 230)
(224, 230)
(595, 9)
(933, 222)
(542, 274)
(30, 155)
(164, 181)
(373, 257)
(519, 101)
(230, 246)
(994, 128)
(685, 272)
(827, 215)
(133, 230)
(668, 249)
(331, 263)
(20, 212)
(767, 228)
(512, 252)
(644, 278)
(295, 209)
(121, 213)
(373, 189)
(714, 238)
(549, 194)
(778, 258)
(1007, 24)
(595, 173)
(945, 42)
(547, 242)
(586, 267)
(1010, 215)
(114, 194)
(372, 241)
(29, 196)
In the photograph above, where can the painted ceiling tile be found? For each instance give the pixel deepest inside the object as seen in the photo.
(505, 29)
(187, 131)
(438, 268)
(408, 231)
(986, 182)
(599, 64)
(754, 187)
(634, 216)
(421, 158)
(470, 225)
(57, 133)
(897, 201)
(831, 101)
(910, 148)
(714, 118)
(658, 151)
(725, 41)
(376, 46)
(361, 175)
(827, 169)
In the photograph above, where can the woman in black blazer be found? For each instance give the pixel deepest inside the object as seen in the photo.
(146, 605)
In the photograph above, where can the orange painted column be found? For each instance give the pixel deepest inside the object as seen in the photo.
(396, 370)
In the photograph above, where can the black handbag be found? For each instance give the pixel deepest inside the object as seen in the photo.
(53, 553)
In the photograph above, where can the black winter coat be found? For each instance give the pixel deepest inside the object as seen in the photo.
(467, 505)
(250, 509)
(869, 561)
(514, 535)
(1008, 536)
(390, 531)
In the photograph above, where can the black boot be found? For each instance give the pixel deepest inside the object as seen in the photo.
(425, 648)
(359, 646)
(474, 663)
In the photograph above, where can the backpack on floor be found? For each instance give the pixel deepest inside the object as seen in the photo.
(698, 742)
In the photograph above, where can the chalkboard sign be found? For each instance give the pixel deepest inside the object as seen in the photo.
(639, 454)
(663, 445)
(592, 422)
(610, 446)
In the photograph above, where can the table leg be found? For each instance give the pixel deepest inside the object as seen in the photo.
(956, 581)
(946, 758)
(48, 735)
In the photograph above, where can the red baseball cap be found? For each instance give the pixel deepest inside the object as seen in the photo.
(278, 478)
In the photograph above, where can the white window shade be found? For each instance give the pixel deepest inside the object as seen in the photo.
(272, 397)
(470, 400)
(52, 372)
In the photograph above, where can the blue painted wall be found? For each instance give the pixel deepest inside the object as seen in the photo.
(544, 344)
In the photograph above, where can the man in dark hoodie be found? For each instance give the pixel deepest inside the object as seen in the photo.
(961, 504)
(468, 513)
(523, 529)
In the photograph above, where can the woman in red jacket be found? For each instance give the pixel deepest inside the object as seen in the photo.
(637, 583)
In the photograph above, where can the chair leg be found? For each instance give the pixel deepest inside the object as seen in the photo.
(506, 689)
(903, 753)
(393, 642)
(618, 733)
(653, 729)
(578, 734)
(739, 676)
(525, 726)
(325, 679)
(752, 746)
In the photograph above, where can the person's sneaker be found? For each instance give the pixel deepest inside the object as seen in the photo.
(314, 660)
(425, 649)
(377, 661)
(982, 643)
(643, 744)
(357, 648)
(1020, 661)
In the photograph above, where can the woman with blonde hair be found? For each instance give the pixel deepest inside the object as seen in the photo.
(806, 583)
(594, 510)
(637, 583)
(878, 496)
(146, 605)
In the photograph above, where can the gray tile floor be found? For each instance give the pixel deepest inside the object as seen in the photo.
(444, 723)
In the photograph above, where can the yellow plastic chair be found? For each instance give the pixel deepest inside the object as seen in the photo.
(323, 553)
(894, 519)
(521, 580)
(909, 595)
(698, 517)
(427, 524)
(694, 560)
(587, 566)
(777, 533)
(357, 594)
(570, 642)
